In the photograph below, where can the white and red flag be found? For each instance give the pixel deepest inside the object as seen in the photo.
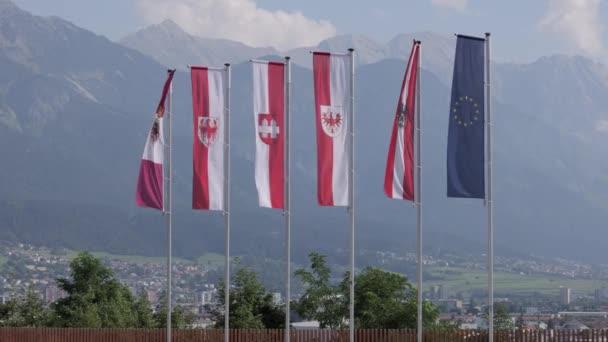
(399, 177)
(150, 181)
(269, 119)
(209, 114)
(332, 81)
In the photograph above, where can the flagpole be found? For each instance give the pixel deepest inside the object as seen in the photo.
(169, 213)
(287, 196)
(419, 191)
(227, 206)
(351, 192)
(489, 203)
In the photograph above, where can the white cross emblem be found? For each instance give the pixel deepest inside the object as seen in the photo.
(268, 128)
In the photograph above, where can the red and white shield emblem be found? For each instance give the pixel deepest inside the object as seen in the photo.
(208, 129)
(332, 120)
(268, 128)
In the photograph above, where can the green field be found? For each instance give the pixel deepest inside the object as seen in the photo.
(460, 279)
(211, 259)
(136, 259)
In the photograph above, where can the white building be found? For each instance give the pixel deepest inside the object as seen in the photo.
(565, 295)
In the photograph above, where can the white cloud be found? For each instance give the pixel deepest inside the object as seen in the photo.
(578, 22)
(240, 20)
(460, 5)
(602, 126)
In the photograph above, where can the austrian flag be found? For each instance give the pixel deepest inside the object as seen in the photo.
(269, 112)
(332, 81)
(209, 114)
(399, 177)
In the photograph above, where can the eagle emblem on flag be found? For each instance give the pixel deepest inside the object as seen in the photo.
(268, 128)
(332, 120)
(402, 115)
(155, 131)
(208, 129)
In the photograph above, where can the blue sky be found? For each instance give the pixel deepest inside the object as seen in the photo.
(522, 30)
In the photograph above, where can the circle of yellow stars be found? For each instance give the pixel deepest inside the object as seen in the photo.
(459, 114)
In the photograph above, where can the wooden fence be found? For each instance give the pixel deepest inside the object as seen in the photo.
(269, 335)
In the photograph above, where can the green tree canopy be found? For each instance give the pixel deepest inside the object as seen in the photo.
(387, 300)
(321, 301)
(251, 305)
(382, 299)
(95, 299)
(180, 318)
(24, 311)
(143, 311)
(502, 319)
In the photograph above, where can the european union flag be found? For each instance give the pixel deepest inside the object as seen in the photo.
(465, 164)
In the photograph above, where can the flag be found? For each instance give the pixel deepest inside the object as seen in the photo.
(399, 176)
(465, 160)
(209, 114)
(332, 80)
(269, 112)
(150, 181)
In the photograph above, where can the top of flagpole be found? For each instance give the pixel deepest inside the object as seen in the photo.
(266, 62)
(470, 37)
(334, 53)
(204, 67)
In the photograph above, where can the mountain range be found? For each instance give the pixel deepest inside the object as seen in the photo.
(75, 108)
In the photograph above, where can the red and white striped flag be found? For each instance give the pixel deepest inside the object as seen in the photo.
(150, 181)
(269, 113)
(209, 111)
(399, 177)
(332, 78)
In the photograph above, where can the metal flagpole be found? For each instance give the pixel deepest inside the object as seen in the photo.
(418, 198)
(227, 205)
(287, 199)
(351, 192)
(489, 203)
(169, 212)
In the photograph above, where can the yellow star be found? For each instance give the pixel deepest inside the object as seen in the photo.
(474, 104)
(460, 122)
(455, 116)
(454, 110)
(465, 124)
(466, 97)
(475, 118)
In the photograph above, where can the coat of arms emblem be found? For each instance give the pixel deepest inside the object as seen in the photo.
(401, 115)
(332, 120)
(208, 129)
(268, 128)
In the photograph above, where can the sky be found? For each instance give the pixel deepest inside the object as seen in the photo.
(522, 30)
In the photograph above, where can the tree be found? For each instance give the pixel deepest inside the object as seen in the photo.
(24, 311)
(143, 311)
(95, 298)
(387, 300)
(383, 299)
(520, 323)
(321, 301)
(502, 319)
(180, 318)
(251, 305)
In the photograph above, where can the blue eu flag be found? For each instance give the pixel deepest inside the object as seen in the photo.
(465, 163)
